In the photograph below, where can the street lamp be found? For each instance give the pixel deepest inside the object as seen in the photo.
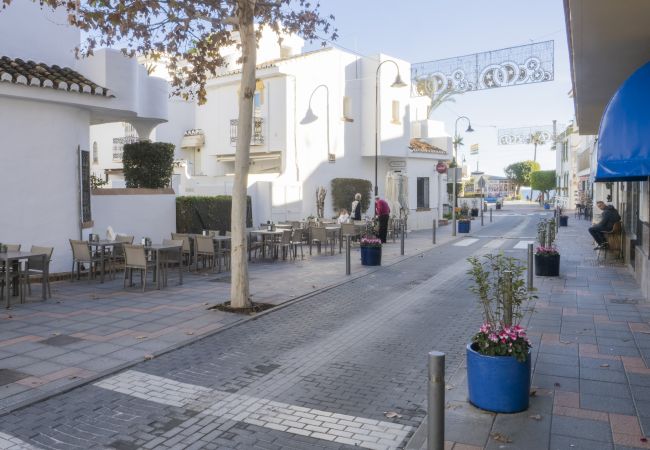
(397, 83)
(311, 117)
(453, 203)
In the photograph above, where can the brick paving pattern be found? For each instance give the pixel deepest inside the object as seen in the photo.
(356, 351)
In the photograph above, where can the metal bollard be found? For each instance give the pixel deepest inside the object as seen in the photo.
(490, 215)
(434, 231)
(530, 267)
(402, 238)
(436, 402)
(347, 254)
(481, 217)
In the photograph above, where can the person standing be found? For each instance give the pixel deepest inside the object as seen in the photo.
(382, 212)
(344, 217)
(608, 218)
(355, 211)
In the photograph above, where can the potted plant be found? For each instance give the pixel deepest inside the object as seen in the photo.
(474, 208)
(464, 224)
(498, 358)
(370, 250)
(547, 256)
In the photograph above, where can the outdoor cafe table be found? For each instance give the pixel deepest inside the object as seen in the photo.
(11, 258)
(265, 235)
(158, 250)
(101, 248)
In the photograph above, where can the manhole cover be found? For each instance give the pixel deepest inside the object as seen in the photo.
(60, 341)
(624, 301)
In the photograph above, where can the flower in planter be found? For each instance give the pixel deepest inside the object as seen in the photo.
(546, 251)
(499, 282)
(370, 241)
(464, 219)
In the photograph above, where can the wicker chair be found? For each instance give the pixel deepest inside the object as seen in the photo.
(81, 254)
(36, 268)
(205, 251)
(135, 258)
(187, 246)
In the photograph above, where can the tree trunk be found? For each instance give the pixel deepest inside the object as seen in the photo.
(239, 288)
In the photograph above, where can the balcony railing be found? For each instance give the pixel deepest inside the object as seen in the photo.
(257, 138)
(118, 146)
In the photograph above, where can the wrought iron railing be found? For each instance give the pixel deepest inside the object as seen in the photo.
(257, 138)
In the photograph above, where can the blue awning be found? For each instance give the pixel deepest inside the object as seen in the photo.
(624, 135)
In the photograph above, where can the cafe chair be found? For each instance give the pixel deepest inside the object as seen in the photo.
(35, 268)
(135, 258)
(81, 255)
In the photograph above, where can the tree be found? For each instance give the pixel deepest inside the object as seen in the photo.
(537, 138)
(191, 35)
(148, 164)
(519, 172)
(543, 180)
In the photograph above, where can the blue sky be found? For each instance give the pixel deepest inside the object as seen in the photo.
(425, 30)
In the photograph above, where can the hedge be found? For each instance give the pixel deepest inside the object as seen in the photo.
(148, 164)
(344, 189)
(195, 214)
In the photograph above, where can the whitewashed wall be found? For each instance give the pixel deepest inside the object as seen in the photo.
(39, 184)
(137, 212)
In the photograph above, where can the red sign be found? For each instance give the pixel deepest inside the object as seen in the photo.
(441, 167)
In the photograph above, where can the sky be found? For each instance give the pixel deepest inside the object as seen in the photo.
(426, 30)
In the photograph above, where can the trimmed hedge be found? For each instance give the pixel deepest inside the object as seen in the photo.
(148, 164)
(344, 189)
(195, 214)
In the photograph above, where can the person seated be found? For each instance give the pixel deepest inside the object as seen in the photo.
(344, 217)
(608, 218)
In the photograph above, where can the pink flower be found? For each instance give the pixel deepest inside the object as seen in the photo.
(493, 337)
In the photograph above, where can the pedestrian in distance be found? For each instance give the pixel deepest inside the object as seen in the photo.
(609, 217)
(355, 211)
(382, 212)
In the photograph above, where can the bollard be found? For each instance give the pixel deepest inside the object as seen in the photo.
(436, 402)
(481, 217)
(402, 238)
(490, 215)
(530, 267)
(347, 254)
(434, 231)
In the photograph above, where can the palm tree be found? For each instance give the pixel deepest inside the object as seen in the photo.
(536, 139)
(457, 142)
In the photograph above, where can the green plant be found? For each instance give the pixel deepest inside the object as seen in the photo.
(344, 189)
(543, 180)
(148, 164)
(519, 172)
(447, 216)
(97, 182)
(499, 283)
(546, 232)
(195, 214)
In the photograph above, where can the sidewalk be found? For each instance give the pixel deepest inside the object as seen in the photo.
(591, 381)
(87, 330)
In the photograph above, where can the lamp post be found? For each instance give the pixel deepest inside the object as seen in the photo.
(311, 117)
(453, 202)
(397, 83)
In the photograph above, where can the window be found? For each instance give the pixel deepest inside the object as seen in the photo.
(130, 136)
(258, 98)
(95, 153)
(396, 118)
(423, 192)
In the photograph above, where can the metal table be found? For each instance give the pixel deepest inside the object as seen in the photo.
(265, 235)
(158, 250)
(101, 247)
(13, 258)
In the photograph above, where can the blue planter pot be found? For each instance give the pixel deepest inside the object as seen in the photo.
(498, 383)
(464, 227)
(547, 206)
(564, 221)
(371, 256)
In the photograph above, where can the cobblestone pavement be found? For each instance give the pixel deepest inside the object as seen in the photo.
(90, 329)
(590, 364)
(345, 367)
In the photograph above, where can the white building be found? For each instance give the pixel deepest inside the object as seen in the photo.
(48, 100)
(573, 154)
(290, 156)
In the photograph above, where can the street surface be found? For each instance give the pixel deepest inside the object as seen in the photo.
(344, 368)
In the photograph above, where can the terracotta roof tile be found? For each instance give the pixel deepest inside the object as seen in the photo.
(420, 146)
(30, 73)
